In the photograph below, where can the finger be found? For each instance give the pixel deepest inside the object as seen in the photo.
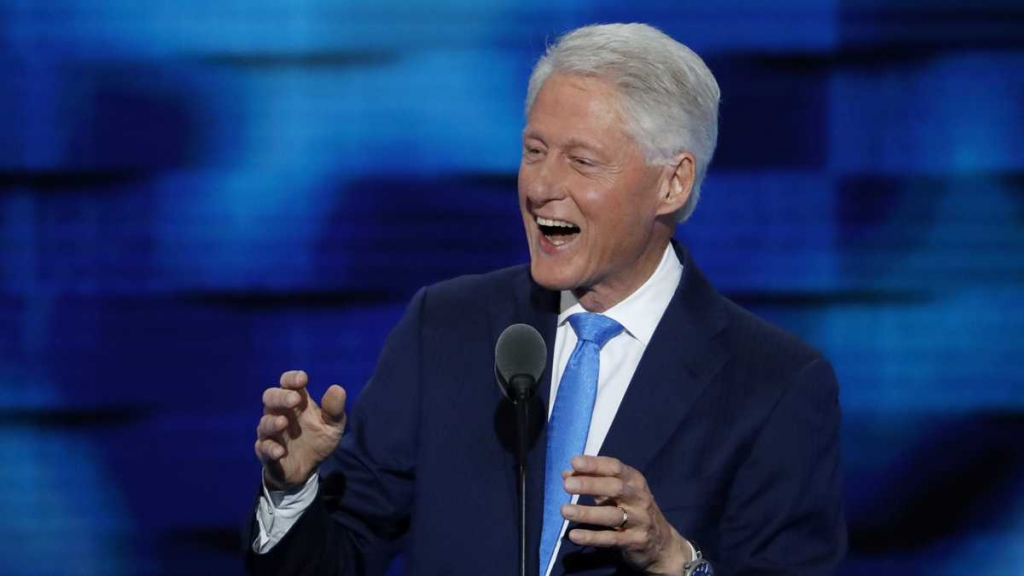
(584, 465)
(271, 425)
(613, 488)
(269, 450)
(294, 379)
(601, 538)
(332, 405)
(280, 399)
(610, 516)
(599, 466)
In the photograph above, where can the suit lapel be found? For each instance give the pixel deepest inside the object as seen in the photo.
(676, 366)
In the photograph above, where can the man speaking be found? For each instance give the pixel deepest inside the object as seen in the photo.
(683, 435)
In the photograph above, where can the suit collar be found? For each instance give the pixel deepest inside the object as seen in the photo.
(694, 316)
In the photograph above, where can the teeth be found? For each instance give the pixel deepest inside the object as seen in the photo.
(558, 223)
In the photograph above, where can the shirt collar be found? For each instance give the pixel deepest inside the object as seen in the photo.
(641, 311)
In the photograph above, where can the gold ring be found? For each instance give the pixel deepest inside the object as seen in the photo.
(625, 518)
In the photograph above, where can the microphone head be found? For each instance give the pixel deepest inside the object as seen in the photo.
(519, 359)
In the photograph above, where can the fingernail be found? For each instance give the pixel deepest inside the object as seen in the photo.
(568, 512)
(572, 484)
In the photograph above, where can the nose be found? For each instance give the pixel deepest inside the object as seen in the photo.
(542, 181)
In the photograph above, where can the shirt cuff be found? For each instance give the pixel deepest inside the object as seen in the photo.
(279, 510)
(693, 551)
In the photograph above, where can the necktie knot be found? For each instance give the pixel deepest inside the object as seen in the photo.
(596, 328)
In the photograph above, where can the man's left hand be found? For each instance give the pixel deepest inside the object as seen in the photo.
(647, 540)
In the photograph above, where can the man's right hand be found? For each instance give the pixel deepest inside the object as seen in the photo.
(295, 435)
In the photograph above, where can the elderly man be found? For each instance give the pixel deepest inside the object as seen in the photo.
(681, 429)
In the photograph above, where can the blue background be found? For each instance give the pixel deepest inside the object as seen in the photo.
(195, 196)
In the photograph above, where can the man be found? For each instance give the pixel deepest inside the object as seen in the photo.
(677, 421)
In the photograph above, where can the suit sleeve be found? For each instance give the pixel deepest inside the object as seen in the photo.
(355, 525)
(784, 513)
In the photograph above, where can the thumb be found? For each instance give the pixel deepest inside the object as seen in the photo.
(332, 405)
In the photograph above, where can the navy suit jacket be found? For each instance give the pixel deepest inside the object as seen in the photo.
(733, 422)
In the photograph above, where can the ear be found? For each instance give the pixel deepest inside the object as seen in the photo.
(678, 185)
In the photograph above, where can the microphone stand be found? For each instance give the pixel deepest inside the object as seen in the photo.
(522, 387)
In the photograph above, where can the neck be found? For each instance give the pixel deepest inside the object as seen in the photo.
(604, 296)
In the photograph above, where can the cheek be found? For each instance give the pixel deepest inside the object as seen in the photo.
(618, 223)
(593, 202)
(608, 209)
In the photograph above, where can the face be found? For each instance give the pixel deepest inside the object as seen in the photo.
(597, 216)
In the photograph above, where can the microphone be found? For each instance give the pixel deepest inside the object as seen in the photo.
(519, 359)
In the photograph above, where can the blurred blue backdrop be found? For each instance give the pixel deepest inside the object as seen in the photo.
(195, 196)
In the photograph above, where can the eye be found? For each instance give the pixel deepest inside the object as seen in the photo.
(580, 161)
(532, 152)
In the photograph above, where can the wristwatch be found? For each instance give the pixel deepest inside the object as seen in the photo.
(698, 566)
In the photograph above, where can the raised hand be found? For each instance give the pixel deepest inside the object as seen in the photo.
(295, 435)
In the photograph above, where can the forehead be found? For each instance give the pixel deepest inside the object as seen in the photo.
(572, 107)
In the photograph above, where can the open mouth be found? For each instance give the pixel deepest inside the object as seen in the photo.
(557, 232)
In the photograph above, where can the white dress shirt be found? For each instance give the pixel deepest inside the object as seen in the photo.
(638, 314)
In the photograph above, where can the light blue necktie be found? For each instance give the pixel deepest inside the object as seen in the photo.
(570, 419)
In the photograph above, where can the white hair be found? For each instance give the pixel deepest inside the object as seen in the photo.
(667, 94)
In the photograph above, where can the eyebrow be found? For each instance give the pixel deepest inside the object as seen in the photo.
(531, 134)
(577, 143)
